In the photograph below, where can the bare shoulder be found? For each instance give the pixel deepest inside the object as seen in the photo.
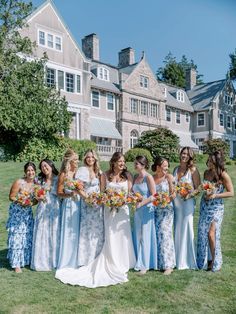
(129, 176)
(225, 176)
(169, 177)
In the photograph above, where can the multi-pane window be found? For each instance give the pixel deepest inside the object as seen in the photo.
(180, 96)
(228, 99)
(51, 77)
(165, 92)
(103, 74)
(50, 40)
(133, 105)
(70, 82)
(177, 116)
(110, 102)
(58, 43)
(187, 117)
(153, 110)
(144, 81)
(201, 119)
(78, 83)
(144, 108)
(199, 142)
(95, 99)
(168, 114)
(60, 77)
(133, 138)
(41, 38)
(221, 119)
(229, 122)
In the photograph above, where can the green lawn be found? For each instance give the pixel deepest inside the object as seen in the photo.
(182, 292)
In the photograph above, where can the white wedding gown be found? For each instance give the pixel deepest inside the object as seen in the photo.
(117, 256)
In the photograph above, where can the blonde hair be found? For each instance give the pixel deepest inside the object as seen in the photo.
(96, 166)
(68, 157)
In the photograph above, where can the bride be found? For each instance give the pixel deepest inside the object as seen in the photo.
(117, 256)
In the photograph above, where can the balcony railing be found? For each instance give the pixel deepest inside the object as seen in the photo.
(107, 149)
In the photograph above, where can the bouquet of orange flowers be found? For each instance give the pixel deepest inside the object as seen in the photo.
(72, 185)
(133, 198)
(95, 199)
(162, 199)
(24, 198)
(185, 190)
(208, 187)
(114, 199)
(40, 192)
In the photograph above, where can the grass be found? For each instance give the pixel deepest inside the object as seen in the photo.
(183, 292)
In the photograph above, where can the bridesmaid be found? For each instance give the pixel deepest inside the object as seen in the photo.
(70, 221)
(47, 221)
(91, 222)
(144, 233)
(211, 213)
(20, 221)
(184, 211)
(164, 217)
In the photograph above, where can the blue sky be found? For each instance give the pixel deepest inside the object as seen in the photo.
(203, 30)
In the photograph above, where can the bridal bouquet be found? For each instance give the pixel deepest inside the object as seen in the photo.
(185, 190)
(73, 185)
(161, 199)
(114, 199)
(40, 192)
(208, 187)
(24, 198)
(95, 199)
(133, 198)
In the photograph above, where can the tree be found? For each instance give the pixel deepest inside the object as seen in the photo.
(28, 108)
(160, 142)
(173, 72)
(232, 66)
(212, 145)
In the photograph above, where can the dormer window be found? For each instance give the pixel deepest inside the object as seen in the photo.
(103, 74)
(165, 92)
(144, 81)
(180, 96)
(49, 40)
(228, 100)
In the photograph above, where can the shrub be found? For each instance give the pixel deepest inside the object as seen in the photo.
(131, 154)
(201, 158)
(80, 146)
(210, 146)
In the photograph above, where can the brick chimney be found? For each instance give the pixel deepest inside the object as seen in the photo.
(191, 78)
(90, 46)
(126, 57)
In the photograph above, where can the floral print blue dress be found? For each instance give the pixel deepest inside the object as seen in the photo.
(210, 211)
(47, 224)
(144, 232)
(20, 232)
(164, 229)
(91, 238)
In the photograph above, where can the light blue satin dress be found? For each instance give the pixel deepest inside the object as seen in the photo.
(210, 211)
(46, 238)
(164, 230)
(183, 228)
(91, 238)
(70, 230)
(144, 231)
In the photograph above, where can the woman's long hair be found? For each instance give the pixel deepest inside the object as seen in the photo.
(68, 157)
(115, 157)
(143, 161)
(190, 163)
(96, 166)
(158, 162)
(29, 164)
(218, 160)
(41, 175)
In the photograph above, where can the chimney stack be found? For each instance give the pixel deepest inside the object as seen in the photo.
(126, 57)
(191, 78)
(90, 46)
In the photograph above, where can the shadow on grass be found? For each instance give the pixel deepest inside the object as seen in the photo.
(3, 260)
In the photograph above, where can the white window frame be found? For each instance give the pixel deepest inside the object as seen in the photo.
(144, 105)
(153, 113)
(135, 100)
(165, 92)
(187, 117)
(144, 81)
(54, 37)
(113, 101)
(168, 110)
(133, 139)
(177, 115)
(98, 93)
(221, 115)
(103, 74)
(50, 84)
(204, 119)
(180, 96)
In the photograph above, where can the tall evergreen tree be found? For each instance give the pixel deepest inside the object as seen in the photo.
(232, 66)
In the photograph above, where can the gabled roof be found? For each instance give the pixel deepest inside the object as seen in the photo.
(202, 95)
(50, 2)
(173, 102)
(129, 69)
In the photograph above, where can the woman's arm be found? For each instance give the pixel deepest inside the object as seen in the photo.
(130, 181)
(227, 182)
(152, 188)
(196, 178)
(14, 190)
(170, 180)
(60, 187)
(103, 182)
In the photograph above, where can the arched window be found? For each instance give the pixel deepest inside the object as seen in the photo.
(133, 138)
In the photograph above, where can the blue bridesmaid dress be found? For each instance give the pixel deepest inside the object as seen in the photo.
(47, 226)
(210, 211)
(183, 228)
(20, 233)
(70, 229)
(164, 230)
(144, 232)
(91, 238)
